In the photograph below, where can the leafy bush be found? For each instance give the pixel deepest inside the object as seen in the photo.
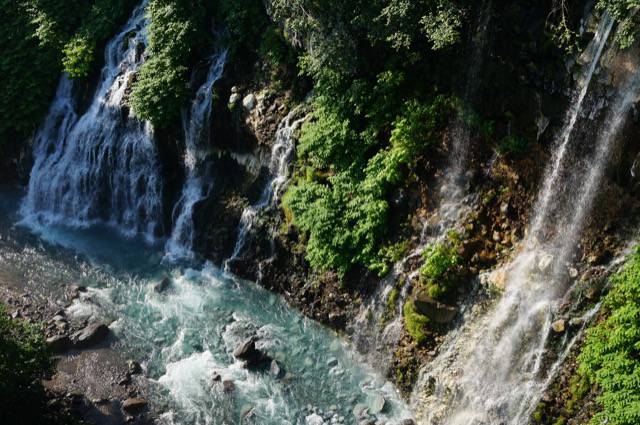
(345, 216)
(414, 322)
(177, 33)
(625, 12)
(611, 354)
(440, 272)
(23, 361)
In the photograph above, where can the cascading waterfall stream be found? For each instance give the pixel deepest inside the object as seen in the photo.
(281, 156)
(101, 166)
(196, 124)
(369, 331)
(493, 369)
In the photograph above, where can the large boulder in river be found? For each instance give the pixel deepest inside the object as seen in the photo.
(248, 353)
(93, 334)
(434, 310)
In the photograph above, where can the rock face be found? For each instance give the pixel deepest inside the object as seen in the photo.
(248, 353)
(434, 310)
(91, 335)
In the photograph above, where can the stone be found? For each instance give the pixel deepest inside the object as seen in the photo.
(276, 370)
(228, 386)
(91, 335)
(314, 419)
(58, 318)
(235, 89)
(332, 362)
(377, 405)
(16, 314)
(434, 310)
(163, 285)
(498, 278)
(58, 343)
(125, 381)
(559, 326)
(249, 102)
(407, 422)
(134, 405)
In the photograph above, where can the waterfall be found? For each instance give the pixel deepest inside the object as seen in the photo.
(101, 166)
(281, 155)
(372, 331)
(494, 368)
(196, 125)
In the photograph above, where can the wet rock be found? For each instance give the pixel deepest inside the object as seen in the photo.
(559, 326)
(235, 89)
(125, 381)
(216, 377)
(228, 386)
(90, 335)
(378, 403)
(134, 405)
(58, 343)
(434, 310)
(407, 422)
(573, 272)
(163, 285)
(498, 278)
(276, 370)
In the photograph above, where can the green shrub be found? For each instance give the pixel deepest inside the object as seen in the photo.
(177, 34)
(440, 272)
(414, 322)
(610, 357)
(23, 362)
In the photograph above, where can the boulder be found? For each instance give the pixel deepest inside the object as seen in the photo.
(134, 405)
(249, 102)
(90, 335)
(163, 285)
(134, 367)
(434, 310)
(248, 353)
(58, 343)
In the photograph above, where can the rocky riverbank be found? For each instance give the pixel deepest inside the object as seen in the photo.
(91, 382)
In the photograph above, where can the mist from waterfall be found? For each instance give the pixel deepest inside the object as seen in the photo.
(196, 123)
(494, 368)
(99, 166)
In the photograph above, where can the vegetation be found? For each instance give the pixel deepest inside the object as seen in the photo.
(23, 362)
(440, 272)
(625, 12)
(610, 358)
(414, 322)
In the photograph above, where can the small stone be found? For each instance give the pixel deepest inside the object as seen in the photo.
(559, 326)
(235, 89)
(332, 362)
(134, 405)
(545, 262)
(216, 377)
(314, 419)
(407, 422)
(360, 410)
